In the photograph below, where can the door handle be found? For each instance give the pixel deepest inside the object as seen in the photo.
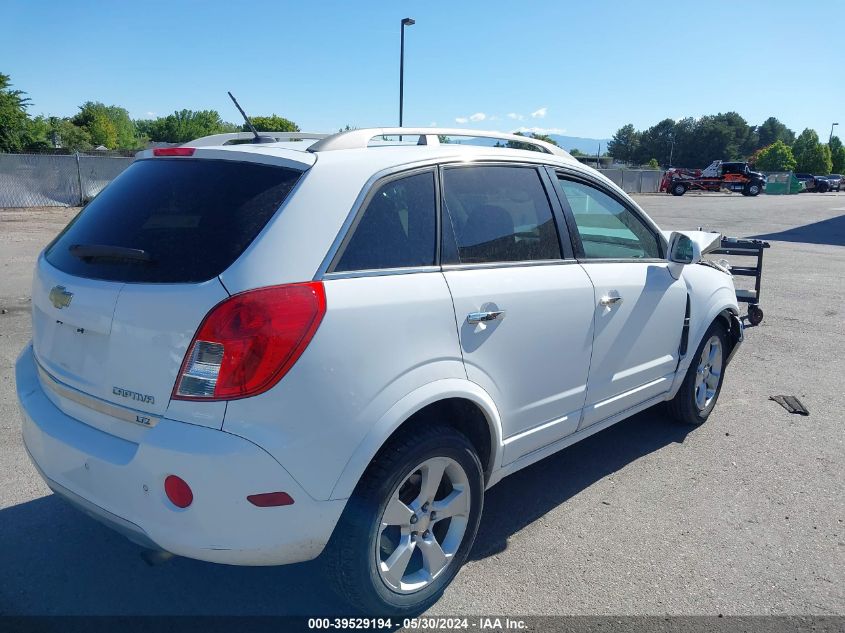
(608, 301)
(480, 317)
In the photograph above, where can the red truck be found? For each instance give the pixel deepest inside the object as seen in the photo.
(734, 176)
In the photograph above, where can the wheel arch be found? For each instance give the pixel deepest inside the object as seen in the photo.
(710, 300)
(460, 404)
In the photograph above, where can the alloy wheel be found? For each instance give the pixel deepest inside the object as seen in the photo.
(708, 373)
(423, 525)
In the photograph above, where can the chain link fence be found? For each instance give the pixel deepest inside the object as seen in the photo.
(39, 180)
(42, 180)
(635, 180)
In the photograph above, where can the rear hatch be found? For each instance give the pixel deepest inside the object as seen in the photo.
(119, 294)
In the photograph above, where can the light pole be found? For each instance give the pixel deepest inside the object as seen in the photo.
(830, 138)
(405, 22)
(671, 149)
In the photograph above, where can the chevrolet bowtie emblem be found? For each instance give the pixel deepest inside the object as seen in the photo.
(60, 297)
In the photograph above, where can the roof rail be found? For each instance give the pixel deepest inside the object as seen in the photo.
(356, 139)
(279, 137)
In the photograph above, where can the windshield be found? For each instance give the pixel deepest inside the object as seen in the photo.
(172, 220)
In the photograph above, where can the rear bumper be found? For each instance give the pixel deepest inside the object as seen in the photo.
(121, 484)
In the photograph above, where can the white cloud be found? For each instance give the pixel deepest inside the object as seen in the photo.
(461, 119)
(539, 113)
(432, 124)
(542, 130)
(478, 116)
(150, 114)
(493, 117)
(515, 116)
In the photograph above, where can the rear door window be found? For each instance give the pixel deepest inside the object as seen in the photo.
(174, 220)
(396, 228)
(499, 214)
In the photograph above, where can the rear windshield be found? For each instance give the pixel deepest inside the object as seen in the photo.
(176, 220)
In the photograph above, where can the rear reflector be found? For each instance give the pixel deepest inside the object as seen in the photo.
(247, 343)
(270, 499)
(178, 491)
(174, 151)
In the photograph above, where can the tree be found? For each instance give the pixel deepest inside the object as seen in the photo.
(109, 126)
(721, 137)
(653, 164)
(837, 155)
(272, 123)
(776, 157)
(544, 137)
(816, 160)
(811, 156)
(772, 130)
(54, 132)
(529, 146)
(14, 120)
(184, 126)
(656, 142)
(623, 145)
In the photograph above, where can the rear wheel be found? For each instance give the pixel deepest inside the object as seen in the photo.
(701, 387)
(679, 189)
(410, 523)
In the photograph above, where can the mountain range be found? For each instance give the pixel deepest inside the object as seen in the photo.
(586, 145)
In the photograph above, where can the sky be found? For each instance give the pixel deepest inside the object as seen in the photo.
(564, 67)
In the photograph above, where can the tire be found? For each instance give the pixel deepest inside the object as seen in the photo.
(686, 406)
(752, 189)
(679, 189)
(357, 557)
(822, 187)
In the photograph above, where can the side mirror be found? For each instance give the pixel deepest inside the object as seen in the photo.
(683, 249)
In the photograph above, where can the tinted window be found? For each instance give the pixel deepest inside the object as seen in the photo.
(193, 218)
(396, 229)
(499, 214)
(608, 229)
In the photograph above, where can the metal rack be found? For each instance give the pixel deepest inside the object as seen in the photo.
(747, 248)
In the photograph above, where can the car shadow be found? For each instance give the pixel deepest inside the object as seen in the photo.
(58, 561)
(552, 481)
(830, 231)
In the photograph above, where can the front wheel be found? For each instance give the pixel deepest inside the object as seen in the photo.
(410, 523)
(678, 189)
(701, 387)
(752, 189)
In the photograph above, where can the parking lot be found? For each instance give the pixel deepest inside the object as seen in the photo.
(741, 516)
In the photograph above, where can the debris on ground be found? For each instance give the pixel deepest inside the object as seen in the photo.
(791, 404)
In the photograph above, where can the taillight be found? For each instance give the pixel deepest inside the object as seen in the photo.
(247, 343)
(174, 151)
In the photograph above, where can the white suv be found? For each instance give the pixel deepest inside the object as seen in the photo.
(257, 353)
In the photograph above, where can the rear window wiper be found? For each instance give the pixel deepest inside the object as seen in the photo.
(103, 251)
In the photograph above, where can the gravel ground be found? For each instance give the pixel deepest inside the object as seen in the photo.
(741, 516)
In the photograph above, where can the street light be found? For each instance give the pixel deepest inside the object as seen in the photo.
(405, 22)
(829, 138)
